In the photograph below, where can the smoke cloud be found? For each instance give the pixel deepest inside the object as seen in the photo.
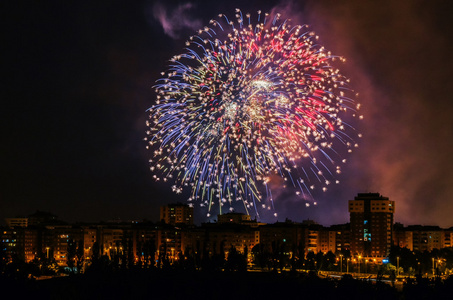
(175, 20)
(396, 55)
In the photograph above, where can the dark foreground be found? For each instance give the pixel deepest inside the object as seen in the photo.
(158, 284)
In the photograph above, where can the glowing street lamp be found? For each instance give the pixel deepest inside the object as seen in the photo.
(172, 255)
(341, 263)
(358, 262)
(438, 263)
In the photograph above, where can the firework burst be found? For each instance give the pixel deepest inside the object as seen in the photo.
(246, 102)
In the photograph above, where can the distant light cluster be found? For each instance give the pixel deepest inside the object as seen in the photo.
(245, 103)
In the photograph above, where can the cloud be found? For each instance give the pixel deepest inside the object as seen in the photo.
(289, 9)
(173, 21)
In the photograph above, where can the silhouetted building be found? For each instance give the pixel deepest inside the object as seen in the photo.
(282, 237)
(9, 244)
(402, 237)
(232, 217)
(174, 214)
(339, 238)
(371, 218)
(292, 239)
(425, 238)
(238, 218)
(41, 218)
(422, 238)
(368, 236)
(145, 243)
(89, 240)
(220, 238)
(109, 239)
(28, 243)
(447, 240)
(16, 222)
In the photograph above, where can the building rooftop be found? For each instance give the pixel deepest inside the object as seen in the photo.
(370, 196)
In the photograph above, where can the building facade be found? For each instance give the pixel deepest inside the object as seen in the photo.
(16, 222)
(371, 217)
(177, 214)
(369, 236)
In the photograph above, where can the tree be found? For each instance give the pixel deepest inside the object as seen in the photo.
(95, 252)
(320, 261)
(80, 255)
(329, 260)
(149, 252)
(236, 261)
(310, 260)
(71, 255)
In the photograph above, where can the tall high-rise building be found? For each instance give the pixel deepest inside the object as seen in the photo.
(371, 218)
(177, 214)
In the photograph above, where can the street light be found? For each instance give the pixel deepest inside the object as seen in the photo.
(397, 266)
(341, 263)
(358, 262)
(347, 266)
(439, 261)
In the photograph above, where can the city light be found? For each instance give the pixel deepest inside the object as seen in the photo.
(234, 233)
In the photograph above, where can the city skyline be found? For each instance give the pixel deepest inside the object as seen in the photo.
(371, 235)
(19, 220)
(81, 77)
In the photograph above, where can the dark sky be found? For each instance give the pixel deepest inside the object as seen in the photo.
(78, 79)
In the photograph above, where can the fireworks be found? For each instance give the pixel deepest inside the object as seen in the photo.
(246, 102)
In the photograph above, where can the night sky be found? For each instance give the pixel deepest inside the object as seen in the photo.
(78, 79)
